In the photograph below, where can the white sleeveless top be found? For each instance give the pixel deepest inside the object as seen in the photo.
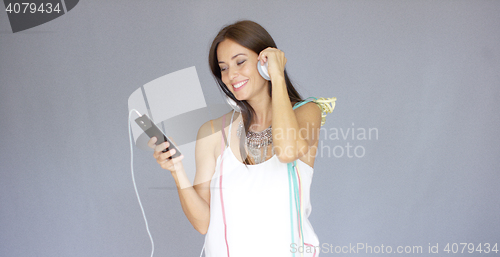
(256, 209)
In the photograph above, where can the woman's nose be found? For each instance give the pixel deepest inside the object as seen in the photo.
(233, 73)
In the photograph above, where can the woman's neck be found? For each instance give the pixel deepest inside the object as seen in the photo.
(263, 113)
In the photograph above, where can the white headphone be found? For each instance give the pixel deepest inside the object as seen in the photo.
(232, 103)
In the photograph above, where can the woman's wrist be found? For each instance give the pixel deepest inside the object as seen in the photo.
(180, 177)
(278, 78)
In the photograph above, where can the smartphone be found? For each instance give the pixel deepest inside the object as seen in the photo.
(153, 131)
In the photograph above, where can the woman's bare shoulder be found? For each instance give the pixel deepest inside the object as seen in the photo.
(215, 124)
(218, 121)
(310, 111)
(228, 116)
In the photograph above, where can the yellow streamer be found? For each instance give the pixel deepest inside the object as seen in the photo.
(326, 105)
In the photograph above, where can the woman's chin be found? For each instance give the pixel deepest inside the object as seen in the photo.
(239, 97)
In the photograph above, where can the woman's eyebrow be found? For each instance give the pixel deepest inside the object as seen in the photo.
(236, 55)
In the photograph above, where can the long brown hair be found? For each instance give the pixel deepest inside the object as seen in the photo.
(254, 37)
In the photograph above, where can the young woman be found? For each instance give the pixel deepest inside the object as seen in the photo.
(254, 170)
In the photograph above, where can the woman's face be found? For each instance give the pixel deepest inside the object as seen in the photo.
(239, 72)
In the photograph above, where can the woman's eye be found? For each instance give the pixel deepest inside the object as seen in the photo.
(241, 62)
(222, 69)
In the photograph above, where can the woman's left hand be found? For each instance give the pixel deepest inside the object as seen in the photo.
(276, 61)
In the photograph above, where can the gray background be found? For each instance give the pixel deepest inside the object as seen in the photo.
(424, 73)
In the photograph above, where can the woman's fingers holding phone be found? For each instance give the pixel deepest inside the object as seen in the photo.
(165, 161)
(166, 155)
(158, 149)
(152, 141)
(172, 164)
(163, 158)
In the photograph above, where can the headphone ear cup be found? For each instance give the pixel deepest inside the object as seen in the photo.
(233, 104)
(263, 70)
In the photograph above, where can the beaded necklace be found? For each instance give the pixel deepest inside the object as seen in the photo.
(255, 141)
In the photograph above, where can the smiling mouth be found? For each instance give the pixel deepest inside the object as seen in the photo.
(236, 86)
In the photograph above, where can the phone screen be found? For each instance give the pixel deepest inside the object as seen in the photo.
(152, 130)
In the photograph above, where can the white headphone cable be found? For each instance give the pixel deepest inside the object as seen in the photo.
(133, 179)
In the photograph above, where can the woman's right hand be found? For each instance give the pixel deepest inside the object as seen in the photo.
(172, 165)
